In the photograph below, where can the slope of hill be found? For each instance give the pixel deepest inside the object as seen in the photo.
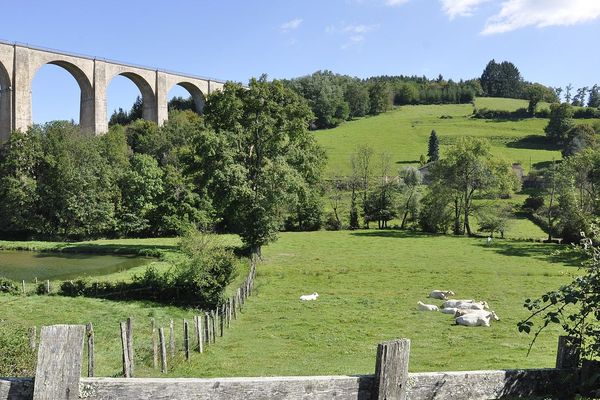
(404, 132)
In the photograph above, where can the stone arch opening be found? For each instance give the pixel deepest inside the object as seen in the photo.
(148, 97)
(86, 100)
(5, 104)
(194, 91)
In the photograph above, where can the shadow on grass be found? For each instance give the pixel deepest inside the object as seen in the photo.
(549, 252)
(391, 233)
(533, 142)
(402, 162)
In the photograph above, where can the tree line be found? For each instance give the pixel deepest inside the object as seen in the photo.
(248, 166)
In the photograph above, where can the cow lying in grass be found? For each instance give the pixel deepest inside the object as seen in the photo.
(441, 294)
(308, 297)
(426, 307)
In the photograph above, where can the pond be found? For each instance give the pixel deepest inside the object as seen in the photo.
(28, 265)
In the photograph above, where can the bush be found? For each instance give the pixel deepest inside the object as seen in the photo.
(586, 112)
(73, 288)
(533, 203)
(485, 113)
(332, 223)
(8, 286)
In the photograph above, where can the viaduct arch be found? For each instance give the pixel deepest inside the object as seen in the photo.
(19, 64)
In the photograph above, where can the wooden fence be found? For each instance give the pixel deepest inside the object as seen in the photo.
(60, 359)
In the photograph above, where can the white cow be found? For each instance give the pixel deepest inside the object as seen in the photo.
(483, 313)
(466, 304)
(473, 320)
(441, 294)
(308, 297)
(450, 310)
(426, 307)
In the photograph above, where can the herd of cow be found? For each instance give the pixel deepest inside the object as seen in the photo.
(466, 312)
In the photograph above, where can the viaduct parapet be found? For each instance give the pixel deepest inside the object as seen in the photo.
(19, 64)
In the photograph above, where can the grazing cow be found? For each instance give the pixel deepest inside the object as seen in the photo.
(473, 320)
(426, 307)
(308, 297)
(441, 294)
(483, 313)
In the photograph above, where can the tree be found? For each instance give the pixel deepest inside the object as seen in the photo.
(270, 155)
(501, 80)
(433, 150)
(561, 120)
(579, 98)
(535, 93)
(380, 97)
(361, 165)
(494, 218)
(579, 137)
(568, 89)
(411, 179)
(357, 97)
(467, 169)
(594, 97)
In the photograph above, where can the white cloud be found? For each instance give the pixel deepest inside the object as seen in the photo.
(355, 35)
(291, 25)
(359, 29)
(460, 8)
(515, 14)
(395, 3)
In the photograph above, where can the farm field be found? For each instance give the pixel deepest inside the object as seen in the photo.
(369, 283)
(504, 104)
(403, 133)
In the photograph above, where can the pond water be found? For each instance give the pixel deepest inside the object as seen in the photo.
(28, 265)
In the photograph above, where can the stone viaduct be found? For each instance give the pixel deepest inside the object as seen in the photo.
(19, 64)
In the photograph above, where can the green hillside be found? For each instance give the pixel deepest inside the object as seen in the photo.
(503, 104)
(403, 134)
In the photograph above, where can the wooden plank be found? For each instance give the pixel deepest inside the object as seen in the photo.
(484, 385)
(60, 357)
(280, 388)
(163, 351)
(89, 332)
(125, 352)
(391, 369)
(16, 388)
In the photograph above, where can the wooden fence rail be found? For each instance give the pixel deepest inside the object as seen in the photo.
(60, 359)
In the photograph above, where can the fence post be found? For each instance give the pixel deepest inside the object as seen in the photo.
(221, 319)
(567, 354)
(47, 286)
(163, 350)
(130, 344)
(186, 339)
(154, 344)
(171, 339)
(126, 365)
(32, 334)
(89, 330)
(60, 357)
(199, 332)
(206, 329)
(391, 370)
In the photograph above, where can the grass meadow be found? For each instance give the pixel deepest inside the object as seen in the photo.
(369, 282)
(403, 133)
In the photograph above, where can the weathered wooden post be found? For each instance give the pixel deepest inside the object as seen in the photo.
(186, 340)
(32, 334)
(206, 329)
(23, 286)
(171, 338)
(126, 365)
(47, 286)
(221, 319)
(60, 356)
(163, 350)
(213, 320)
(567, 354)
(154, 344)
(130, 344)
(567, 357)
(199, 333)
(391, 370)
(89, 331)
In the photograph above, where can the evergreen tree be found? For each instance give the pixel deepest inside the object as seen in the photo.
(433, 151)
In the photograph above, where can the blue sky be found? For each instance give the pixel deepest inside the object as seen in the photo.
(551, 41)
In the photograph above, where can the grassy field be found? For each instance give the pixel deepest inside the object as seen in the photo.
(404, 133)
(369, 283)
(503, 104)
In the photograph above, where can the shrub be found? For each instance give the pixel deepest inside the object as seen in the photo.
(8, 286)
(332, 223)
(533, 203)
